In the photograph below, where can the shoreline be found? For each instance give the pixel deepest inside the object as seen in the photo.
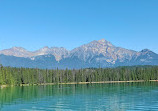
(4, 86)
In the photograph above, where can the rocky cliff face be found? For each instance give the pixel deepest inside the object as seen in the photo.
(105, 49)
(17, 52)
(58, 52)
(99, 53)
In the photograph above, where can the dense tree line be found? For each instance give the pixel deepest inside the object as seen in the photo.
(17, 76)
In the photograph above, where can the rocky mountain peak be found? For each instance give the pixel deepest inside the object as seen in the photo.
(58, 52)
(145, 50)
(96, 53)
(18, 48)
(44, 48)
(100, 43)
(16, 51)
(104, 42)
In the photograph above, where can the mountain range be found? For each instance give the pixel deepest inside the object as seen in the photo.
(95, 54)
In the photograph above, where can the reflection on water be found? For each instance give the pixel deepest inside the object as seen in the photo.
(118, 96)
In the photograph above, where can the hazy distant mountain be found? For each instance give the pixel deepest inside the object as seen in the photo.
(16, 51)
(94, 54)
(59, 53)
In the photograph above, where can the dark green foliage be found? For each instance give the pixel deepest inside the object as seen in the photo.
(17, 76)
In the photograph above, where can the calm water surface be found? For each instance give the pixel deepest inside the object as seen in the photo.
(90, 97)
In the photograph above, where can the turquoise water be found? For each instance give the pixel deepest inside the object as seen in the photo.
(90, 97)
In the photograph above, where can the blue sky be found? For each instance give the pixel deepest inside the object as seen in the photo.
(32, 24)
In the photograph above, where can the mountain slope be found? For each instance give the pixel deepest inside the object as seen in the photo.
(102, 51)
(99, 53)
(58, 52)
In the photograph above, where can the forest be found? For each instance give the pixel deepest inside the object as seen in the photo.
(18, 76)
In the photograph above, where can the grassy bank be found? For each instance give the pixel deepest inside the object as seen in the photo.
(4, 86)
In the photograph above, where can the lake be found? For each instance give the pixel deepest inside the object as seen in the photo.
(81, 97)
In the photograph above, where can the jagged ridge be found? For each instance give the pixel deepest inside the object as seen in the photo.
(99, 53)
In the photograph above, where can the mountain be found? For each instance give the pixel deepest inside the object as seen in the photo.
(17, 52)
(58, 52)
(99, 53)
(102, 50)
